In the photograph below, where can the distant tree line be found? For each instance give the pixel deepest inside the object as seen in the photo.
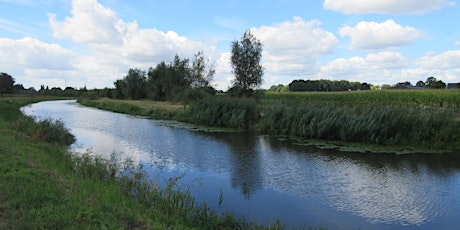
(343, 85)
(430, 83)
(326, 85)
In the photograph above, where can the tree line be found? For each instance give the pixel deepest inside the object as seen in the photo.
(326, 85)
(168, 81)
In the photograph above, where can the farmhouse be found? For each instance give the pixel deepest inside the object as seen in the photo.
(453, 86)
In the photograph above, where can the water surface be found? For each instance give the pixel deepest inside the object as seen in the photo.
(267, 179)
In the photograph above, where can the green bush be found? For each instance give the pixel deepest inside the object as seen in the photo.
(48, 130)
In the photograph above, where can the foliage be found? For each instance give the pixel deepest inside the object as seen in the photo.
(202, 73)
(245, 60)
(47, 130)
(132, 86)
(326, 85)
(169, 81)
(279, 88)
(433, 83)
(6, 84)
(221, 111)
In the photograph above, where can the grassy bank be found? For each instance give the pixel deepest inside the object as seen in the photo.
(43, 186)
(417, 120)
(146, 108)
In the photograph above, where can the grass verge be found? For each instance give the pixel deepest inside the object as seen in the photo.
(146, 108)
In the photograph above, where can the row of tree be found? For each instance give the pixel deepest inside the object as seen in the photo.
(430, 83)
(185, 79)
(166, 81)
(326, 85)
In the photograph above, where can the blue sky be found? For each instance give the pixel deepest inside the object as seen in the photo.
(94, 42)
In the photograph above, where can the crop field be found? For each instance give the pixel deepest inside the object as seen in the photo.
(424, 118)
(407, 98)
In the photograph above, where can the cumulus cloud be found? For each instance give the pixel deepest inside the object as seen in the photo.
(291, 48)
(24, 58)
(392, 67)
(378, 67)
(32, 53)
(90, 22)
(385, 7)
(373, 35)
(115, 46)
(448, 60)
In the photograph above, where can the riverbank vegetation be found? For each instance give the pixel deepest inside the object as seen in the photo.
(46, 187)
(421, 120)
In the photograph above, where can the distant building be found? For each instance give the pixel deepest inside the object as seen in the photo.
(453, 86)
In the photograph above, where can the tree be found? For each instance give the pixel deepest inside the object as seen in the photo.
(433, 83)
(202, 73)
(135, 84)
(420, 84)
(245, 60)
(6, 84)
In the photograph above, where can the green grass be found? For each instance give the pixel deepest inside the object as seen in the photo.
(43, 186)
(407, 98)
(418, 120)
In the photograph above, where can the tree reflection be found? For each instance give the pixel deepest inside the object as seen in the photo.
(245, 165)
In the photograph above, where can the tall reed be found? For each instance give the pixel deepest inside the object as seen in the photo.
(224, 111)
(383, 125)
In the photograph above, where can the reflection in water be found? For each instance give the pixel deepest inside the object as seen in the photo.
(245, 161)
(267, 179)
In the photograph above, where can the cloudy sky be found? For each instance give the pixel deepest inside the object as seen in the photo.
(94, 42)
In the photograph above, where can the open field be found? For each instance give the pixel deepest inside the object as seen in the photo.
(408, 98)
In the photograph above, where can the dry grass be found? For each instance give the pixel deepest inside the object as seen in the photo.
(148, 104)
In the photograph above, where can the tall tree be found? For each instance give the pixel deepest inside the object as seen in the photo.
(132, 86)
(135, 83)
(6, 84)
(202, 72)
(245, 59)
(433, 83)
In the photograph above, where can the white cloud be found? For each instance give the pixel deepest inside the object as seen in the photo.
(291, 48)
(386, 6)
(457, 43)
(115, 45)
(90, 22)
(26, 57)
(392, 67)
(374, 68)
(32, 53)
(373, 35)
(448, 60)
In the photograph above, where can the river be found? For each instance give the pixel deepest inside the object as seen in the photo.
(266, 179)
